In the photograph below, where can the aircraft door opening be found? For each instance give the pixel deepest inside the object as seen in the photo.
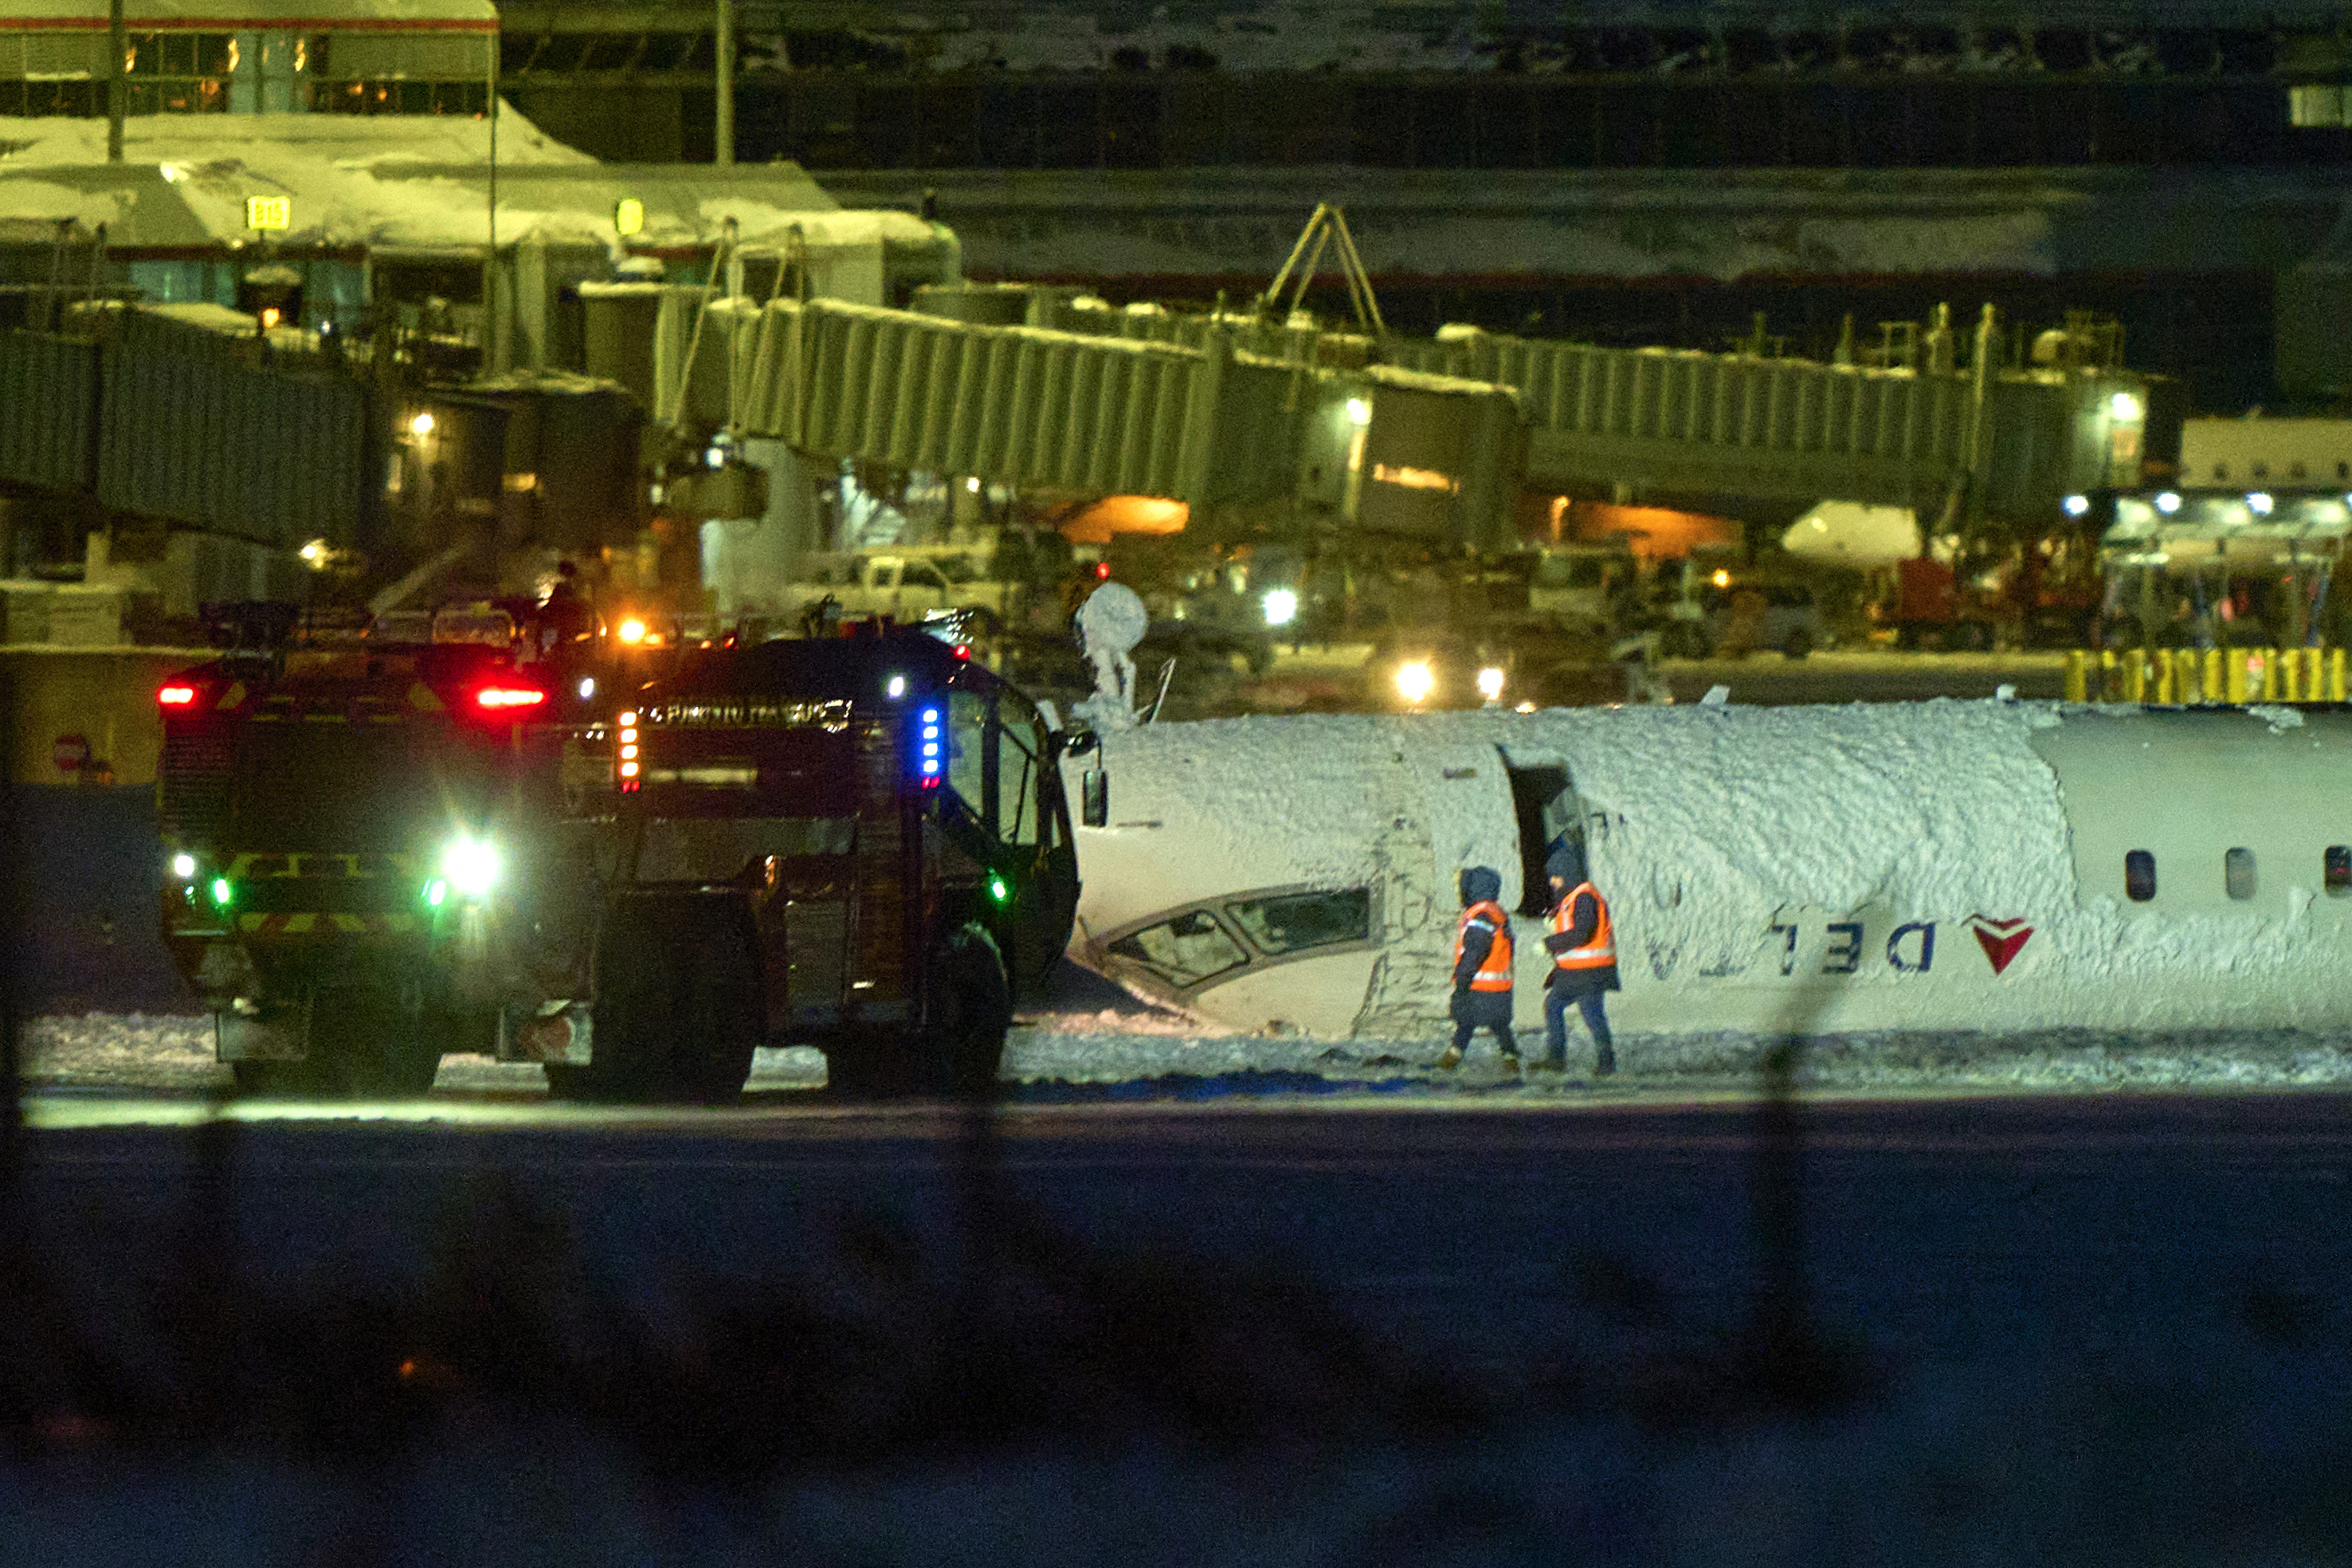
(1548, 811)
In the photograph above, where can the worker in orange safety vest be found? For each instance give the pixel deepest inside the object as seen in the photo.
(1583, 961)
(1482, 970)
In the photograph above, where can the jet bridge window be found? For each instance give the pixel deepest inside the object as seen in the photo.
(1187, 950)
(2238, 874)
(2139, 876)
(1297, 920)
(2336, 870)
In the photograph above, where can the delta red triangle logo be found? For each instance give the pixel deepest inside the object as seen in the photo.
(2003, 941)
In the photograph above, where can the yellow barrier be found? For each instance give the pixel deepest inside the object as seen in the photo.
(2185, 675)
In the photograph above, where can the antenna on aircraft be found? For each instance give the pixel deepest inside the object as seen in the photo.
(1111, 622)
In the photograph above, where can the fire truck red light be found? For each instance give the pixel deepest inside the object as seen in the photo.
(497, 697)
(1102, 568)
(177, 696)
(963, 650)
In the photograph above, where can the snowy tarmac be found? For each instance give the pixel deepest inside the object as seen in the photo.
(1126, 1053)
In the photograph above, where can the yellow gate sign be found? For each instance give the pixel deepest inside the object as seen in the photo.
(269, 212)
(629, 217)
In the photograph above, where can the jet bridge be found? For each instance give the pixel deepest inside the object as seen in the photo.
(1744, 431)
(1213, 424)
(1233, 411)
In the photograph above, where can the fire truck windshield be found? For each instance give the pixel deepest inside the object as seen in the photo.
(305, 787)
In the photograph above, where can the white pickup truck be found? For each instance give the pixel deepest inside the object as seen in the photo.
(907, 587)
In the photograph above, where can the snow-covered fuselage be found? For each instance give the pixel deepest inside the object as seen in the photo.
(1917, 866)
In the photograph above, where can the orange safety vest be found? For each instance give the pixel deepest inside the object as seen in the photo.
(1495, 974)
(1597, 953)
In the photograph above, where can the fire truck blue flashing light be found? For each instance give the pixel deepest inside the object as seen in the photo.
(930, 755)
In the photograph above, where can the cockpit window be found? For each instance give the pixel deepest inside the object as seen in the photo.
(1187, 950)
(1297, 921)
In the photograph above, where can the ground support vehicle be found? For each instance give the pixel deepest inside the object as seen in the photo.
(1584, 587)
(856, 843)
(906, 586)
(366, 861)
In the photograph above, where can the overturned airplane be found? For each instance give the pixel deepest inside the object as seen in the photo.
(1924, 867)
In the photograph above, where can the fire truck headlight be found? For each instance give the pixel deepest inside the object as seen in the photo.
(183, 867)
(472, 866)
(1490, 684)
(895, 688)
(1414, 681)
(1281, 607)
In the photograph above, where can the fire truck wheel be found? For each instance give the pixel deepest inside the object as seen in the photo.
(971, 1007)
(961, 1044)
(366, 1043)
(676, 1008)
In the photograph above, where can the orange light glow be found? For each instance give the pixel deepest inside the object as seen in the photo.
(1653, 533)
(1415, 479)
(1126, 514)
(632, 630)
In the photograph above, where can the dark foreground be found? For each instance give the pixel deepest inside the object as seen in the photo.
(2099, 1327)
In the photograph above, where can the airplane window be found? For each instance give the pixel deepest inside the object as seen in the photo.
(1298, 920)
(1189, 947)
(2336, 870)
(2238, 874)
(2139, 876)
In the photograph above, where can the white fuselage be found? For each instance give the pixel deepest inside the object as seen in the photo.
(1917, 866)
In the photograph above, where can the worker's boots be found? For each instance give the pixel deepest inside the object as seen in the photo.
(1510, 1063)
(1605, 1064)
(1449, 1058)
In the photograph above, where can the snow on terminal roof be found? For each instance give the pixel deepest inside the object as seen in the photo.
(384, 181)
(326, 16)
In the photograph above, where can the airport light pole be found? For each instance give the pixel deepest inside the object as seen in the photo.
(118, 42)
(725, 49)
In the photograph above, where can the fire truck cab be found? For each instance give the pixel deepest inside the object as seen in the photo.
(366, 858)
(856, 843)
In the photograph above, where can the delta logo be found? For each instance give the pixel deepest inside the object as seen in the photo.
(2003, 941)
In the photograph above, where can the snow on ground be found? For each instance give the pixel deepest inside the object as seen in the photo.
(1081, 1054)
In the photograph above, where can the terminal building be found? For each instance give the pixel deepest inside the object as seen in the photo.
(1625, 176)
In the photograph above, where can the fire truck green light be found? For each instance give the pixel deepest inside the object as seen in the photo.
(999, 888)
(222, 892)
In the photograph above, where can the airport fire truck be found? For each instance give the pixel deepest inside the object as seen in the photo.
(367, 859)
(856, 843)
(380, 851)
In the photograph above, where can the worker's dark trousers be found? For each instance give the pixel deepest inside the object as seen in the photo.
(1463, 1031)
(1556, 1001)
